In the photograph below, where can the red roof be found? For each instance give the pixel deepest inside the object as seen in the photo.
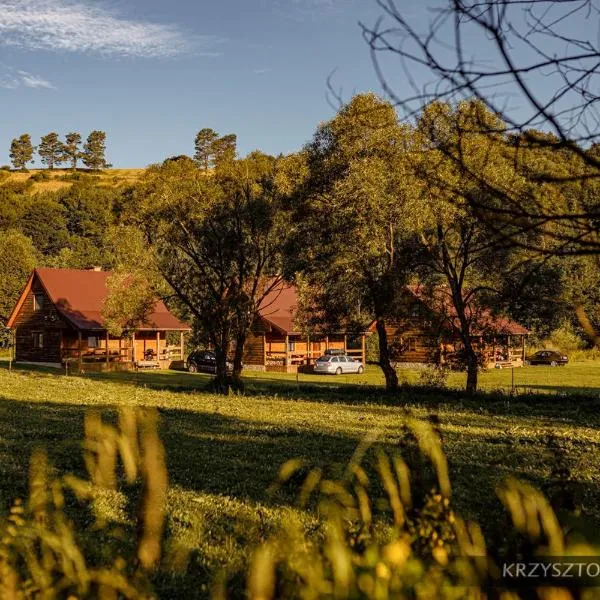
(278, 309)
(80, 295)
(483, 320)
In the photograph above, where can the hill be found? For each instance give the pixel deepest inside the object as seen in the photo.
(50, 181)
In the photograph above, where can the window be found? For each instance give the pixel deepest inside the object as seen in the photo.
(38, 302)
(411, 344)
(291, 346)
(415, 310)
(38, 340)
(92, 341)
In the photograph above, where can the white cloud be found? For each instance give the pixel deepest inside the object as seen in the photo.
(34, 81)
(11, 79)
(261, 71)
(80, 26)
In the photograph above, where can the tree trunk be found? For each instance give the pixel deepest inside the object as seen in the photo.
(238, 356)
(472, 367)
(221, 353)
(391, 377)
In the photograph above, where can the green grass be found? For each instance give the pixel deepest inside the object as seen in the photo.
(223, 452)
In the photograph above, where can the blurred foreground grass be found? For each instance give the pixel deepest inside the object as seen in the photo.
(223, 453)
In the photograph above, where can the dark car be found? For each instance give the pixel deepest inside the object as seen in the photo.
(204, 361)
(548, 357)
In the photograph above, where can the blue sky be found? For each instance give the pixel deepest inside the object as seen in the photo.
(152, 73)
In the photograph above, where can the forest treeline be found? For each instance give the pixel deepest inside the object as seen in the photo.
(367, 207)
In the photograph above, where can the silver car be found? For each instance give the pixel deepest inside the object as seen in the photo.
(336, 365)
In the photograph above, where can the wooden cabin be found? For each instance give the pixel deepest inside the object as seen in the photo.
(276, 344)
(425, 332)
(58, 320)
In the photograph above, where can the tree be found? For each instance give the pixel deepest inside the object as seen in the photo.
(44, 221)
(212, 150)
(71, 149)
(94, 151)
(18, 258)
(21, 151)
(204, 145)
(224, 150)
(540, 72)
(217, 243)
(461, 256)
(51, 150)
(354, 217)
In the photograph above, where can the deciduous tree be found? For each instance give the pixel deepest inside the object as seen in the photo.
(217, 242)
(355, 218)
(18, 258)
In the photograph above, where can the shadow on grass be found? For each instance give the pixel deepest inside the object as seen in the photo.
(228, 457)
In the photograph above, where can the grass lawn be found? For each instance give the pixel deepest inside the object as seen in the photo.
(224, 452)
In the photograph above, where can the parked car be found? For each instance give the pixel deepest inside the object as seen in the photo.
(204, 361)
(548, 357)
(336, 365)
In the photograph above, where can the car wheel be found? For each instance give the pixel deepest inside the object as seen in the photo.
(360, 370)
(192, 368)
(338, 371)
(553, 363)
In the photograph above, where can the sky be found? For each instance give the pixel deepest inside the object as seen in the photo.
(151, 73)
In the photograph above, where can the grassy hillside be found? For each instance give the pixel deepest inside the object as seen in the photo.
(60, 178)
(224, 452)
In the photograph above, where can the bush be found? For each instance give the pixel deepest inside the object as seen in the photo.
(434, 376)
(6, 168)
(372, 348)
(565, 339)
(41, 176)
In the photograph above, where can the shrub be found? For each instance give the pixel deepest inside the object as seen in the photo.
(372, 348)
(40, 176)
(434, 376)
(565, 339)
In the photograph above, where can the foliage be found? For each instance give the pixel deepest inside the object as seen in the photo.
(355, 217)
(435, 377)
(217, 242)
(51, 150)
(94, 151)
(21, 151)
(44, 221)
(212, 149)
(18, 258)
(71, 149)
(462, 259)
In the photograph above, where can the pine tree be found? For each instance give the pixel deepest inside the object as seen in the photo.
(70, 149)
(225, 149)
(94, 150)
(205, 142)
(21, 151)
(51, 150)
